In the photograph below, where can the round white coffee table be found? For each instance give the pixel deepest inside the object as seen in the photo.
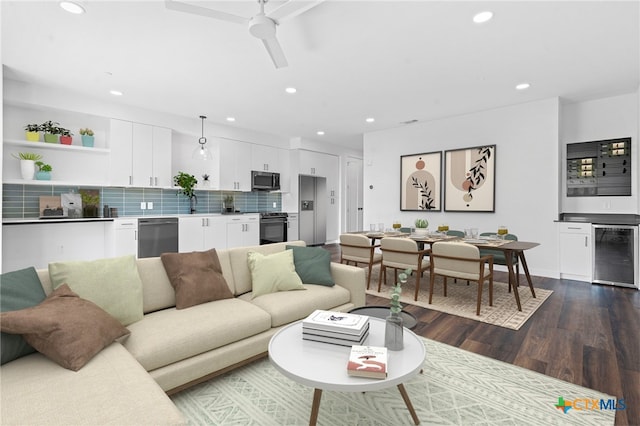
(323, 366)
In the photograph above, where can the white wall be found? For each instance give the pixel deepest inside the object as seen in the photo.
(608, 118)
(527, 161)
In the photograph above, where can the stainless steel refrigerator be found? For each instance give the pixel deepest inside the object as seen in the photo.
(313, 209)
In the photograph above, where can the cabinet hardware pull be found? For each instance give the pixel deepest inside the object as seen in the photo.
(585, 241)
(156, 180)
(130, 180)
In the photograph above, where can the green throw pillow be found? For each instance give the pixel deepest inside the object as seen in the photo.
(272, 273)
(113, 284)
(313, 265)
(18, 290)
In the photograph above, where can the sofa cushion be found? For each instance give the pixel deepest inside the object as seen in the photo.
(313, 265)
(288, 306)
(272, 273)
(113, 389)
(196, 277)
(157, 291)
(170, 335)
(240, 267)
(67, 329)
(18, 290)
(113, 284)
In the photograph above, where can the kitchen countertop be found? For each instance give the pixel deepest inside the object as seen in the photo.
(8, 221)
(602, 219)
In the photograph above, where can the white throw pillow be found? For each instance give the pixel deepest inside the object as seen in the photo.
(272, 273)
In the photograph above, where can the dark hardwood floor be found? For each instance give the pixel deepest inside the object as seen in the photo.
(584, 334)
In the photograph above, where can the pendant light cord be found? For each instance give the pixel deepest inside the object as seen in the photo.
(202, 140)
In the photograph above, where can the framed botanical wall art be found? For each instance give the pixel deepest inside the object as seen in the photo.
(420, 182)
(470, 179)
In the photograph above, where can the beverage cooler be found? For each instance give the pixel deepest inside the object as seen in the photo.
(615, 255)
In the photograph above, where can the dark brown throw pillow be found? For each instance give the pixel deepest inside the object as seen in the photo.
(196, 277)
(65, 328)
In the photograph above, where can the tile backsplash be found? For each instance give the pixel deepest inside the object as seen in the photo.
(23, 201)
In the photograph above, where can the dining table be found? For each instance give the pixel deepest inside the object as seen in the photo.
(510, 248)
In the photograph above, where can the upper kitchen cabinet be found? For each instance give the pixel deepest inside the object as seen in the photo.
(264, 158)
(140, 154)
(320, 164)
(235, 165)
(284, 159)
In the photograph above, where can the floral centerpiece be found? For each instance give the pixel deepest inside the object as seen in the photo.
(393, 336)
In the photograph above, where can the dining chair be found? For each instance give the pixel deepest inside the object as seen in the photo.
(455, 233)
(461, 260)
(357, 248)
(402, 253)
(498, 255)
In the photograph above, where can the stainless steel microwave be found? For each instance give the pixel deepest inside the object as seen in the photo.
(265, 181)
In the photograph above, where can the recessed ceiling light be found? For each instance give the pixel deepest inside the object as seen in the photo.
(370, 120)
(482, 17)
(72, 7)
(115, 92)
(320, 133)
(290, 90)
(523, 86)
(232, 119)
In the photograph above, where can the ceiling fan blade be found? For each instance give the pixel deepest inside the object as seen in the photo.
(275, 51)
(203, 11)
(292, 8)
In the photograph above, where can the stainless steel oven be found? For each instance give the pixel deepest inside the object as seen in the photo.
(615, 255)
(273, 227)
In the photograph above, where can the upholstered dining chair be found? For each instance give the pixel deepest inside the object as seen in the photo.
(402, 253)
(498, 255)
(357, 248)
(461, 260)
(455, 233)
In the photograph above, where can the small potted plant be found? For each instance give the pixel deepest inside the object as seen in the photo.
(187, 183)
(90, 200)
(421, 226)
(51, 131)
(44, 171)
(205, 180)
(65, 136)
(33, 132)
(87, 137)
(27, 164)
(228, 204)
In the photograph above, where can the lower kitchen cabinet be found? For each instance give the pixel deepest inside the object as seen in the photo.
(201, 233)
(292, 227)
(243, 230)
(125, 237)
(575, 251)
(38, 244)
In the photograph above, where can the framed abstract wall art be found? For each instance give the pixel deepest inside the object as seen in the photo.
(470, 179)
(420, 182)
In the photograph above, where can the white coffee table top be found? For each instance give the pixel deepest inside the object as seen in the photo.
(324, 366)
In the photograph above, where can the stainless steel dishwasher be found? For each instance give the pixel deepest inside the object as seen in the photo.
(157, 236)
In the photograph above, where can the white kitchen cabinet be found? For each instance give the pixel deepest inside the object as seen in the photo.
(125, 237)
(38, 244)
(292, 227)
(284, 161)
(575, 251)
(140, 154)
(234, 165)
(243, 230)
(264, 158)
(201, 233)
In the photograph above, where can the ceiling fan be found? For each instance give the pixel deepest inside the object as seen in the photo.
(261, 25)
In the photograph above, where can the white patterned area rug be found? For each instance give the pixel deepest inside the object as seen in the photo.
(456, 388)
(461, 299)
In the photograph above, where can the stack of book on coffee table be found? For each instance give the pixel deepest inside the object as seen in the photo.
(338, 328)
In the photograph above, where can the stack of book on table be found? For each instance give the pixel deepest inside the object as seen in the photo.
(338, 328)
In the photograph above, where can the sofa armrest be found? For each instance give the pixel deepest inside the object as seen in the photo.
(351, 278)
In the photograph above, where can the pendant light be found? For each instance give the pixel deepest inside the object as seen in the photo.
(202, 152)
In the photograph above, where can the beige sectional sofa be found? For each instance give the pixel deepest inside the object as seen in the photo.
(169, 349)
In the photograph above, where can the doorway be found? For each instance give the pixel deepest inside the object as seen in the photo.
(354, 199)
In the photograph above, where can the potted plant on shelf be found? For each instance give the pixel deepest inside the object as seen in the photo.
(65, 136)
(51, 131)
(205, 180)
(421, 226)
(87, 137)
(187, 184)
(90, 200)
(33, 132)
(27, 164)
(44, 171)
